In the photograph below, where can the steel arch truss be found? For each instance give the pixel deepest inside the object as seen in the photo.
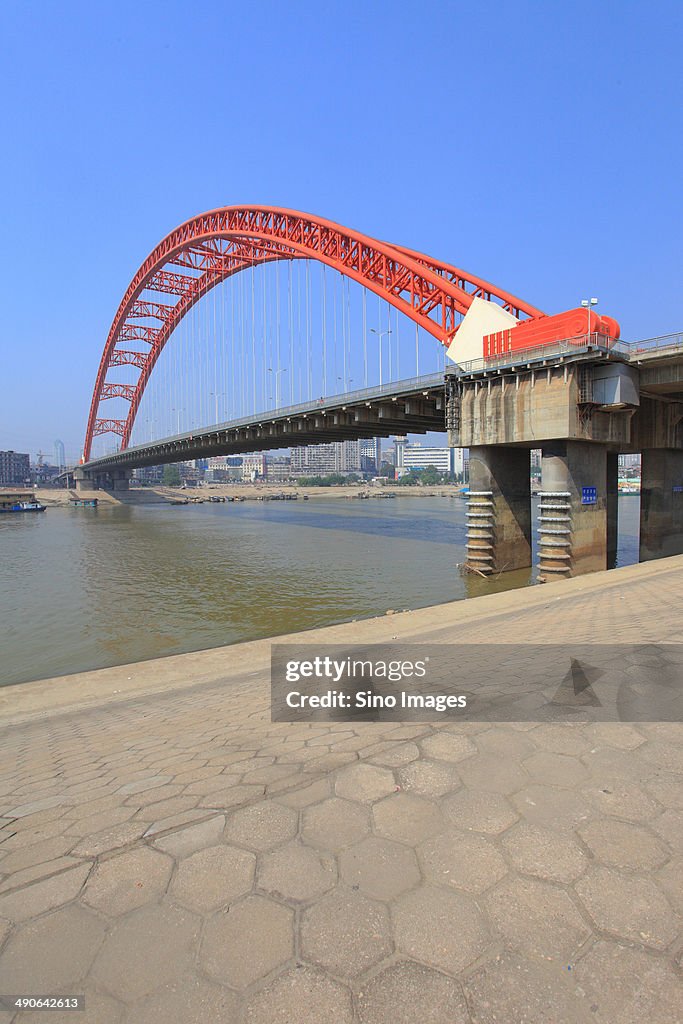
(206, 250)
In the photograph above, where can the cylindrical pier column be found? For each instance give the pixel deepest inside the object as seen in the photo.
(661, 503)
(499, 509)
(573, 509)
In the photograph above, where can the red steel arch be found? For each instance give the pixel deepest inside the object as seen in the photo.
(207, 249)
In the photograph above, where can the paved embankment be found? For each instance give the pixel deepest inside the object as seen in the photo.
(173, 854)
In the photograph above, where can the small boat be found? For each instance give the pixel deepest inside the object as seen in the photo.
(83, 502)
(25, 506)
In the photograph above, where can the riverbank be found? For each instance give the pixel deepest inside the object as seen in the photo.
(247, 492)
(168, 851)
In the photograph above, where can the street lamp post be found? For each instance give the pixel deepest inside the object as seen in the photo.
(216, 395)
(380, 335)
(587, 305)
(276, 374)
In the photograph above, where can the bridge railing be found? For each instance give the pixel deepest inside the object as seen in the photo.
(655, 346)
(566, 346)
(394, 388)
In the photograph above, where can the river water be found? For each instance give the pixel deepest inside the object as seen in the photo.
(88, 588)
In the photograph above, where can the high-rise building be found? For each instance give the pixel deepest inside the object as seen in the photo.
(60, 456)
(15, 468)
(371, 455)
(321, 459)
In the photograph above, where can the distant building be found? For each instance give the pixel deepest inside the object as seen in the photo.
(417, 456)
(254, 466)
(278, 468)
(15, 468)
(60, 455)
(371, 455)
(148, 476)
(43, 473)
(322, 459)
(629, 461)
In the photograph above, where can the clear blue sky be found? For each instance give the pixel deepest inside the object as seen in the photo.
(537, 144)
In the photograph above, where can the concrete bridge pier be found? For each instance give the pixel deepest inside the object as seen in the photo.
(112, 480)
(661, 503)
(499, 509)
(577, 515)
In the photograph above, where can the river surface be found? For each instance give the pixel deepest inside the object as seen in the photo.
(88, 588)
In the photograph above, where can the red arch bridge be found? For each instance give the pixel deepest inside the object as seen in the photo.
(299, 346)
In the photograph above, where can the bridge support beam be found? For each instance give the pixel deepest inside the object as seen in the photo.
(661, 503)
(499, 509)
(577, 518)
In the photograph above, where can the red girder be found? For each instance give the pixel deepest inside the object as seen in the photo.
(157, 310)
(222, 242)
(122, 357)
(126, 391)
(109, 427)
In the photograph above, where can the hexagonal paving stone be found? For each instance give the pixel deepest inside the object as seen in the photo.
(396, 756)
(429, 778)
(44, 895)
(188, 840)
(448, 746)
(549, 855)
(51, 954)
(246, 944)
(623, 845)
(441, 928)
(35, 853)
(555, 769)
(615, 734)
(623, 800)
(145, 951)
(477, 811)
(335, 823)
(408, 993)
(537, 919)
(552, 807)
(493, 774)
(669, 826)
(302, 995)
(213, 877)
(460, 860)
(128, 881)
(379, 868)
(628, 986)
(512, 990)
(407, 818)
(631, 908)
(296, 872)
(505, 743)
(670, 880)
(364, 782)
(561, 738)
(262, 826)
(668, 792)
(188, 1000)
(346, 933)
